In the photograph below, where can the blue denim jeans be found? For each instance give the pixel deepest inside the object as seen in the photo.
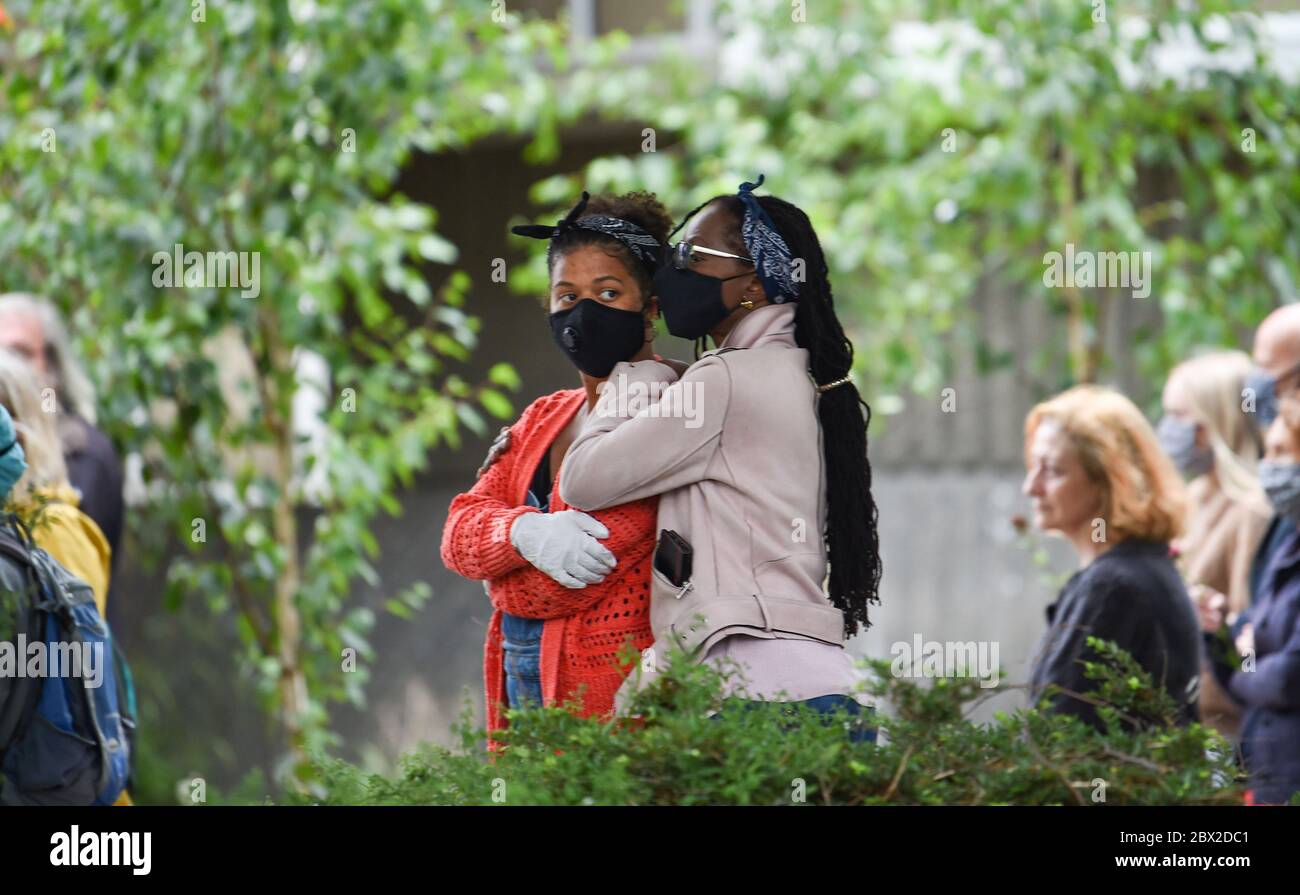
(860, 730)
(521, 649)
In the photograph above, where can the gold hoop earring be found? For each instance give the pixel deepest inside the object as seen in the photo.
(747, 304)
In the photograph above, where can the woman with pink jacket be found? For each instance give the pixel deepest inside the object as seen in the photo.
(759, 456)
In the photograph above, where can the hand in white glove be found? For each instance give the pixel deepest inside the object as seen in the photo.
(564, 546)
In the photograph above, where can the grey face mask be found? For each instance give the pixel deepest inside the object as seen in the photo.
(1281, 482)
(1263, 388)
(1178, 438)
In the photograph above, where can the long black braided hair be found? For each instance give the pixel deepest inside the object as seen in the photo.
(852, 536)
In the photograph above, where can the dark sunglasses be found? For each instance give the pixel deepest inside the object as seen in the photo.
(686, 253)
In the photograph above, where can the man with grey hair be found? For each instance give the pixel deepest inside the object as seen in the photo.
(33, 328)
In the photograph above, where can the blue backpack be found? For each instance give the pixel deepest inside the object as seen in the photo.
(65, 738)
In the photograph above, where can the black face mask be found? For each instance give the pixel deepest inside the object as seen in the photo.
(691, 302)
(596, 336)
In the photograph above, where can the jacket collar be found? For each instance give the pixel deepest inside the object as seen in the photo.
(549, 416)
(48, 494)
(768, 325)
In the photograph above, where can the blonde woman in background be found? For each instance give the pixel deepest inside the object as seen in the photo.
(1216, 445)
(43, 498)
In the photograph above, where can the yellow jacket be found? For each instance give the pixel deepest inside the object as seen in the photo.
(70, 536)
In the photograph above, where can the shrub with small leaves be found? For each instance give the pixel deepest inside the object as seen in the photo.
(669, 750)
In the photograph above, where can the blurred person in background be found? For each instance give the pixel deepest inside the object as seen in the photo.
(1216, 445)
(1096, 476)
(1272, 384)
(1257, 658)
(43, 497)
(33, 328)
(63, 533)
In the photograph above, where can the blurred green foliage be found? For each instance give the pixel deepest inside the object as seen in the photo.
(935, 160)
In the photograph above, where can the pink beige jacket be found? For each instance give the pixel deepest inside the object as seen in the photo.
(734, 450)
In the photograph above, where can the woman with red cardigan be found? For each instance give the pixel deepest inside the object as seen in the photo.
(570, 590)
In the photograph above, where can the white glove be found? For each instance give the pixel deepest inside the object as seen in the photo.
(564, 546)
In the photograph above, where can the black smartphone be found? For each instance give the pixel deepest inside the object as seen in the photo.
(673, 557)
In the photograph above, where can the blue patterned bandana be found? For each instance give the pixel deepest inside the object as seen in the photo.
(644, 247)
(772, 261)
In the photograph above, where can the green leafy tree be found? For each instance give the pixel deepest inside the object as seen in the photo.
(277, 130)
(931, 168)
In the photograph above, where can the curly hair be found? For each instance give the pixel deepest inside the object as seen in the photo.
(638, 207)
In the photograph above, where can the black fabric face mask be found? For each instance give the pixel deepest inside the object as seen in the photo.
(596, 336)
(691, 302)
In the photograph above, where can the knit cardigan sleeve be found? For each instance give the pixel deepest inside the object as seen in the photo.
(476, 539)
(530, 593)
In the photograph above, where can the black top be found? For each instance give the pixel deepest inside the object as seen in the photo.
(540, 487)
(1132, 595)
(94, 470)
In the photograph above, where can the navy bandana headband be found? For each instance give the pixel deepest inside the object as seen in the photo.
(771, 255)
(644, 247)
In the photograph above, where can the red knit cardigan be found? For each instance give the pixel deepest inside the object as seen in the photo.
(585, 629)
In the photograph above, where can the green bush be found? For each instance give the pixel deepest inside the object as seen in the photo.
(928, 753)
